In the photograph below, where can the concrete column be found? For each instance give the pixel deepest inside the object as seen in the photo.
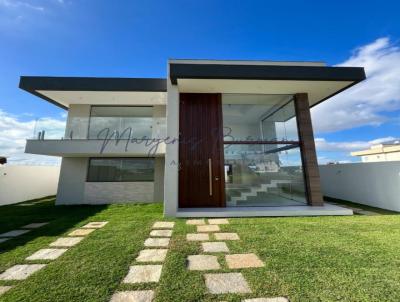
(307, 148)
(172, 151)
(78, 121)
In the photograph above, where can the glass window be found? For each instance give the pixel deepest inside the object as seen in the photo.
(259, 117)
(121, 169)
(126, 121)
(261, 175)
(261, 149)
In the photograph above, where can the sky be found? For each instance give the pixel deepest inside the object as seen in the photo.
(135, 38)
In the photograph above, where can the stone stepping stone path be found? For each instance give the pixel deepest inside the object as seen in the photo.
(197, 237)
(46, 254)
(3, 289)
(156, 255)
(243, 261)
(161, 233)
(155, 252)
(21, 271)
(133, 296)
(81, 232)
(208, 228)
(66, 241)
(214, 247)
(226, 236)
(195, 222)
(202, 263)
(222, 283)
(226, 283)
(14, 233)
(25, 229)
(143, 274)
(58, 248)
(156, 242)
(276, 299)
(34, 225)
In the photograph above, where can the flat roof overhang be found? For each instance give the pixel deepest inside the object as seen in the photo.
(258, 77)
(64, 91)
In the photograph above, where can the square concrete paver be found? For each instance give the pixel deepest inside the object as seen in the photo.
(20, 271)
(243, 261)
(67, 241)
(226, 283)
(275, 299)
(95, 225)
(133, 296)
(215, 247)
(202, 263)
(3, 289)
(34, 225)
(143, 274)
(155, 255)
(197, 237)
(163, 225)
(161, 233)
(195, 222)
(81, 232)
(156, 242)
(207, 228)
(218, 221)
(4, 239)
(226, 236)
(46, 254)
(14, 233)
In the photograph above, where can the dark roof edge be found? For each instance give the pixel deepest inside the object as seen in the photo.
(34, 83)
(92, 84)
(265, 72)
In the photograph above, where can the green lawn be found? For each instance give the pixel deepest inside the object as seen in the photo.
(307, 259)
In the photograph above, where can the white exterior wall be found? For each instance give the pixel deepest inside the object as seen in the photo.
(393, 156)
(373, 184)
(78, 121)
(118, 192)
(172, 151)
(74, 189)
(72, 180)
(20, 183)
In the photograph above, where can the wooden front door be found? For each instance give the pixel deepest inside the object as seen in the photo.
(201, 158)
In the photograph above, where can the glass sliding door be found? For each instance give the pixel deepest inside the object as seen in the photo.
(262, 157)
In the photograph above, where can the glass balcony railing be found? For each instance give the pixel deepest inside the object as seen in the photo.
(99, 128)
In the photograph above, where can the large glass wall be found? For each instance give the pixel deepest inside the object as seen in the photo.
(261, 148)
(124, 121)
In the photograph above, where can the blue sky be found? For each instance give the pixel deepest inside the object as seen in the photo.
(135, 38)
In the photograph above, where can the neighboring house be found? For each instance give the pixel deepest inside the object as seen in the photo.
(216, 138)
(387, 151)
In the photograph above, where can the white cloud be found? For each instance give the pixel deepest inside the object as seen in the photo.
(15, 4)
(366, 102)
(14, 132)
(323, 145)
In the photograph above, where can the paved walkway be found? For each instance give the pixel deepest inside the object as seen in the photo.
(212, 241)
(55, 250)
(149, 264)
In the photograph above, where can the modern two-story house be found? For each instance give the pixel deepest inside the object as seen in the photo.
(215, 138)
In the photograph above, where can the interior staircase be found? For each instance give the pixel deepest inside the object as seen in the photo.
(250, 192)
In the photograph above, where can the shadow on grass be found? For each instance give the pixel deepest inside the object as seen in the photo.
(60, 218)
(360, 206)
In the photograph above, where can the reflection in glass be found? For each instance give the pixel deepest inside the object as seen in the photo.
(121, 169)
(259, 117)
(127, 121)
(255, 176)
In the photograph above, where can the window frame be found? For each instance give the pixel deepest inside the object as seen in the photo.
(93, 106)
(119, 158)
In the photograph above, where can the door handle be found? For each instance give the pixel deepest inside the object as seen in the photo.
(210, 175)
